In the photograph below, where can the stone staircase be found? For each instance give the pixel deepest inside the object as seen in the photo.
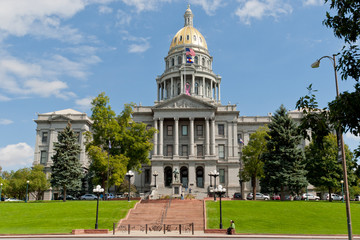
(169, 212)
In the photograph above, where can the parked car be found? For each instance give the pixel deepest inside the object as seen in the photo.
(259, 196)
(357, 198)
(334, 197)
(237, 195)
(68, 197)
(88, 197)
(109, 196)
(275, 197)
(12, 200)
(120, 195)
(309, 196)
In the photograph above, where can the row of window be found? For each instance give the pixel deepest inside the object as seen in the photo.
(44, 157)
(45, 135)
(199, 130)
(196, 61)
(184, 150)
(187, 38)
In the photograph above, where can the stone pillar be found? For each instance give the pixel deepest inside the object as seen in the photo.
(192, 175)
(52, 139)
(207, 137)
(182, 84)
(203, 88)
(235, 145)
(219, 92)
(229, 138)
(172, 88)
(161, 136)
(155, 137)
(37, 150)
(215, 90)
(191, 135)
(158, 92)
(211, 89)
(166, 94)
(212, 144)
(176, 137)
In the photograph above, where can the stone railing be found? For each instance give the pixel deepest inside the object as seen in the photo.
(149, 228)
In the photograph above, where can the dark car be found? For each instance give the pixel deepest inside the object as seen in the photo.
(68, 197)
(237, 195)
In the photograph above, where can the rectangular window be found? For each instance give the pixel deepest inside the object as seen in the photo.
(169, 130)
(44, 137)
(169, 150)
(199, 130)
(43, 157)
(221, 151)
(222, 175)
(200, 150)
(184, 130)
(184, 150)
(221, 129)
(147, 176)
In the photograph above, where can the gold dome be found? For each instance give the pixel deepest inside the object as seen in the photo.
(188, 35)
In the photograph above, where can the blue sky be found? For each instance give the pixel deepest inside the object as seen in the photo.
(59, 54)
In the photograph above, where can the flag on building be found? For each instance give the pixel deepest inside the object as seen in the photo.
(190, 52)
(189, 59)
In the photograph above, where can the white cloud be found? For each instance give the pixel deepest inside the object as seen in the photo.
(16, 155)
(5, 121)
(123, 18)
(209, 6)
(351, 136)
(139, 48)
(313, 2)
(84, 103)
(257, 9)
(141, 44)
(145, 5)
(105, 10)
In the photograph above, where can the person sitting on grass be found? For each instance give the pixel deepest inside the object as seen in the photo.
(230, 229)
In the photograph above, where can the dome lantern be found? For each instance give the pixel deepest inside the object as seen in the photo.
(188, 16)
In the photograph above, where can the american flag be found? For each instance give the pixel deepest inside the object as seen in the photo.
(190, 52)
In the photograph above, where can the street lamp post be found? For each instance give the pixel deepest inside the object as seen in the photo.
(27, 189)
(155, 174)
(342, 190)
(98, 190)
(316, 64)
(220, 191)
(1, 184)
(129, 174)
(215, 174)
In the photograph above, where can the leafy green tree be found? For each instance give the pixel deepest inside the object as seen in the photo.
(116, 141)
(283, 162)
(323, 167)
(252, 157)
(39, 182)
(66, 171)
(17, 183)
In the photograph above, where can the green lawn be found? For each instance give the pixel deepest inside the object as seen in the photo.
(59, 217)
(290, 217)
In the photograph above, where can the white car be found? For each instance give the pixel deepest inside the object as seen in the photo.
(12, 200)
(88, 197)
(309, 196)
(334, 197)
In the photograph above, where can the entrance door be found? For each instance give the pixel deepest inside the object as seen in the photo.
(200, 177)
(184, 176)
(168, 176)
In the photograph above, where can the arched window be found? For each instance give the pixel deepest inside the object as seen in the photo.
(196, 60)
(187, 37)
(194, 37)
(184, 176)
(197, 88)
(200, 177)
(203, 61)
(172, 62)
(180, 38)
(179, 60)
(168, 176)
(174, 40)
(167, 64)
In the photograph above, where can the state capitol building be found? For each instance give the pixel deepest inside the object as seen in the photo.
(197, 134)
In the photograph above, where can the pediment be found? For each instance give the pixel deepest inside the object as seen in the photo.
(185, 102)
(60, 118)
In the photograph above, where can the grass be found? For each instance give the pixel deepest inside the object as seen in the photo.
(290, 217)
(59, 217)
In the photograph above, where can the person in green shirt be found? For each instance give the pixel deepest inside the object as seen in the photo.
(232, 226)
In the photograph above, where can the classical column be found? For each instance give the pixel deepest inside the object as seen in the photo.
(211, 89)
(172, 88)
(155, 137)
(182, 84)
(235, 145)
(192, 84)
(229, 137)
(158, 92)
(215, 90)
(191, 134)
(203, 88)
(166, 94)
(207, 137)
(212, 144)
(176, 137)
(161, 136)
(219, 92)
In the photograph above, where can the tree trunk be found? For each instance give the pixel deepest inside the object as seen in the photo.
(330, 198)
(282, 193)
(253, 183)
(64, 195)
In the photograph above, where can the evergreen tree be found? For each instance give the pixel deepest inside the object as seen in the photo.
(66, 169)
(324, 169)
(283, 162)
